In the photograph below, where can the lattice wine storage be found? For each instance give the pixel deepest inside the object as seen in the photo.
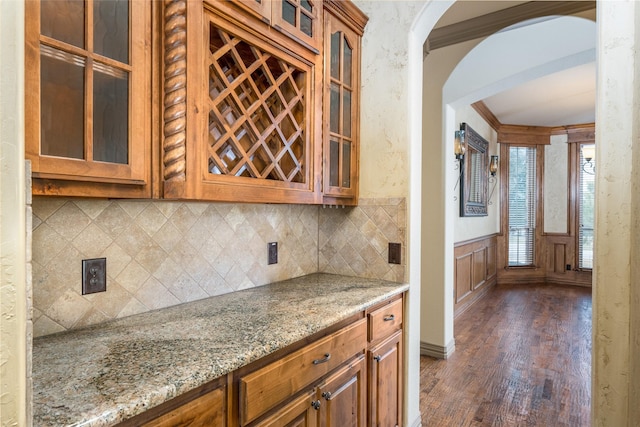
(258, 111)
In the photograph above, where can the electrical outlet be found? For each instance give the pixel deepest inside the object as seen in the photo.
(94, 275)
(394, 253)
(272, 248)
(568, 267)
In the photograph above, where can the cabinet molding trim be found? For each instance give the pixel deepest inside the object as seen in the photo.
(175, 90)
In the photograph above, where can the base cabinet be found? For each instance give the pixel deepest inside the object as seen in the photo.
(299, 412)
(349, 375)
(342, 399)
(385, 382)
(207, 410)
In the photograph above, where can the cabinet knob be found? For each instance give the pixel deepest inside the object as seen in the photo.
(315, 404)
(326, 358)
(326, 395)
(377, 358)
(389, 318)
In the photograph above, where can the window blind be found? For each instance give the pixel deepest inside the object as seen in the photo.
(522, 205)
(586, 209)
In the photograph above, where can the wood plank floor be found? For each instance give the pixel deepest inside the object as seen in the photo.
(523, 358)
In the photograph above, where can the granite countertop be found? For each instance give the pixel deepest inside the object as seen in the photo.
(104, 374)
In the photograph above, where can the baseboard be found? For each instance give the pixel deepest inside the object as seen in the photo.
(417, 422)
(474, 297)
(437, 351)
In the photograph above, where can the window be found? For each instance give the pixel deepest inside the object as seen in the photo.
(586, 193)
(522, 205)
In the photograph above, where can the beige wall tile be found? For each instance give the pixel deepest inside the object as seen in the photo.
(162, 253)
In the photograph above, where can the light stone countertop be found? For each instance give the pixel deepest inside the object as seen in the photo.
(104, 374)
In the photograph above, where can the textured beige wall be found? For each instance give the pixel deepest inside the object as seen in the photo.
(466, 228)
(13, 248)
(384, 130)
(616, 344)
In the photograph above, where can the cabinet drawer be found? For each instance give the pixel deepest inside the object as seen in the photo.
(385, 320)
(207, 410)
(263, 389)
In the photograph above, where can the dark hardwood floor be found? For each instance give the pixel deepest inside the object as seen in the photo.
(522, 358)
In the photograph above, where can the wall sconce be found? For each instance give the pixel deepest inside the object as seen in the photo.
(588, 154)
(493, 165)
(493, 170)
(459, 148)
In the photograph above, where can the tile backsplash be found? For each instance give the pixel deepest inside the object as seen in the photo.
(163, 253)
(354, 241)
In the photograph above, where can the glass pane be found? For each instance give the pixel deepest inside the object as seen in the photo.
(586, 194)
(522, 205)
(306, 25)
(347, 55)
(346, 113)
(110, 115)
(334, 163)
(306, 5)
(63, 20)
(111, 29)
(335, 55)
(289, 12)
(346, 165)
(334, 109)
(62, 104)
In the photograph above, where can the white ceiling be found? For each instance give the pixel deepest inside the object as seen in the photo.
(562, 98)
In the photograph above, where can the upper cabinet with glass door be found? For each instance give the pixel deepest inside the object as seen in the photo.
(87, 97)
(341, 102)
(299, 19)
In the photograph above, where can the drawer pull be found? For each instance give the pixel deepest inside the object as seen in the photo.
(315, 404)
(326, 395)
(389, 318)
(377, 358)
(326, 358)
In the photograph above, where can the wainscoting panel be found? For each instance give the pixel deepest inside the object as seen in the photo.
(463, 277)
(474, 271)
(560, 258)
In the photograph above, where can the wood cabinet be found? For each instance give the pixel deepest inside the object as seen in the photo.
(258, 101)
(342, 400)
(88, 97)
(385, 365)
(207, 410)
(349, 374)
(248, 127)
(341, 102)
(205, 406)
(268, 387)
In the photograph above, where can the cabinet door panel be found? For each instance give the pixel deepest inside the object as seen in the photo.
(385, 382)
(88, 97)
(343, 397)
(298, 413)
(341, 106)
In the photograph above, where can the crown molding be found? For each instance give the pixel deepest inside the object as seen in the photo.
(485, 25)
(484, 112)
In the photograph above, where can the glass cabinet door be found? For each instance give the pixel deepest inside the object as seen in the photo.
(86, 89)
(340, 87)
